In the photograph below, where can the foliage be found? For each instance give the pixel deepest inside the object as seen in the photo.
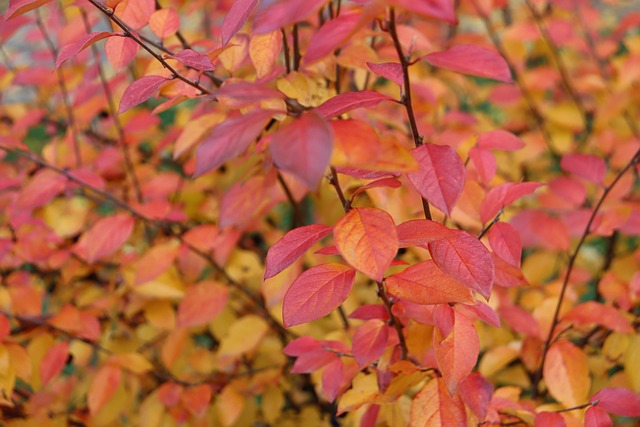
(314, 212)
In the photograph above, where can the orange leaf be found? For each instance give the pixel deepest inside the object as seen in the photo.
(433, 406)
(566, 374)
(164, 22)
(103, 386)
(104, 238)
(230, 404)
(196, 399)
(367, 239)
(202, 303)
(53, 361)
(156, 261)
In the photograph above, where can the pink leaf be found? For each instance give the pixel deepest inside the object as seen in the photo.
(367, 239)
(440, 178)
(164, 22)
(332, 377)
(313, 360)
(591, 312)
(53, 362)
(502, 196)
(41, 189)
(383, 182)
(476, 392)
(303, 148)
(104, 238)
(370, 311)
(505, 242)
(195, 60)
(345, 102)
(597, 417)
(281, 13)
(292, 246)
(421, 231)
(236, 17)
(70, 50)
(19, 7)
(466, 259)
(499, 140)
(425, 283)
(520, 321)
(241, 93)
(485, 163)
(472, 59)
(300, 346)
(229, 139)
(619, 401)
(364, 174)
(369, 341)
(139, 91)
(389, 70)
(120, 51)
(330, 36)
(443, 10)
(549, 419)
(586, 166)
(201, 304)
(317, 292)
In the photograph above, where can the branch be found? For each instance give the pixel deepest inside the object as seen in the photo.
(382, 293)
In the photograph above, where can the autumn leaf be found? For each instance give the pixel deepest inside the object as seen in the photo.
(345, 102)
(369, 341)
(202, 303)
(236, 17)
(164, 22)
(367, 240)
(53, 362)
(104, 238)
(139, 91)
(566, 374)
(103, 386)
(70, 50)
(471, 59)
(434, 406)
(617, 400)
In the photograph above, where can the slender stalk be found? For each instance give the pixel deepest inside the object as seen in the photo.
(297, 56)
(298, 219)
(382, 293)
(285, 48)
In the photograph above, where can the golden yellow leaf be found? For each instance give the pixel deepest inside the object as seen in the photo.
(566, 374)
(160, 314)
(194, 131)
(272, 401)
(229, 403)
(495, 359)
(631, 358)
(166, 285)
(564, 115)
(264, 49)
(243, 336)
(66, 217)
(133, 362)
(364, 390)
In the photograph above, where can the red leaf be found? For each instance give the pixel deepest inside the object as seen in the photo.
(316, 293)
(422, 231)
(472, 59)
(485, 163)
(370, 311)
(586, 166)
(196, 399)
(330, 36)
(345, 102)
(300, 346)
(370, 341)
(389, 70)
(202, 303)
(520, 321)
(443, 10)
(367, 239)
(5, 327)
(481, 311)
(434, 406)
(229, 139)
(235, 18)
(312, 361)
(619, 401)
(53, 362)
(240, 94)
(593, 312)
(549, 419)
(332, 377)
(499, 140)
(505, 242)
(502, 196)
(243, 202)
(70, 50)
(282, 13)
(466, 259)
(104, 238)
(383, 182)
(292, 246)
(364, 174)
(120, 51)
(440, 178)
(19, 7)
(597, 417)
(508, 275)
(139, 91)
(43, 187)
(425, 283)
(164, 22)
(195, 60)
(476, 392)
(456, 345)
(303, 148)
(103, 386)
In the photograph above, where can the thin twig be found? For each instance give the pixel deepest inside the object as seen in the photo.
(297, 56)
(298, 219)
(382, 293)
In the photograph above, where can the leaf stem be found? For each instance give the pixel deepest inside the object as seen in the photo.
(382, 293)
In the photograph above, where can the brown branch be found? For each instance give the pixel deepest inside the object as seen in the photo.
(406, 96)
(382, 293)
(297, 56)
(285, 48)
(537, 376)
(298, 218)
(335, 181)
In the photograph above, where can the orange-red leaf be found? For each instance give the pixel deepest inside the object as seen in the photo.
(102, 387)
(499, 140)
(316, 293)
(505, 242)
(43, 187)
(135, 13)
(472, 59)
(346, 102)
(367, 239)
(597, 417)
(586, 166)
(292, 246)
(139, 91)
(235, 18)
(433, 406)
(389, 70)
(195, 60)
(196, 399)
(104, 238)
(330, 36)
(164, 22)
(566, 374)
(549, 419)
(456, 345)
(120, 51)
(19, 7)
(466, 259)
(303, 148)
(425, 283)
(72, 49)
(202, 303)
(53, 362)
(369, 341)
(422, 231)
(618, 400)
(594, 312)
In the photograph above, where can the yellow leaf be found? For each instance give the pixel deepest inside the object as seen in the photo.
(229, 404)
(243, 336)
(160, 314)
(194, 131)
(631, 357)
(66, 217)
(364, 389)
(264, 49)
(166, 285)
(272, 401)
(564, 115)
(615, 345)
(303, 88)
(133, 362)
(495, 359)
(566, 374)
